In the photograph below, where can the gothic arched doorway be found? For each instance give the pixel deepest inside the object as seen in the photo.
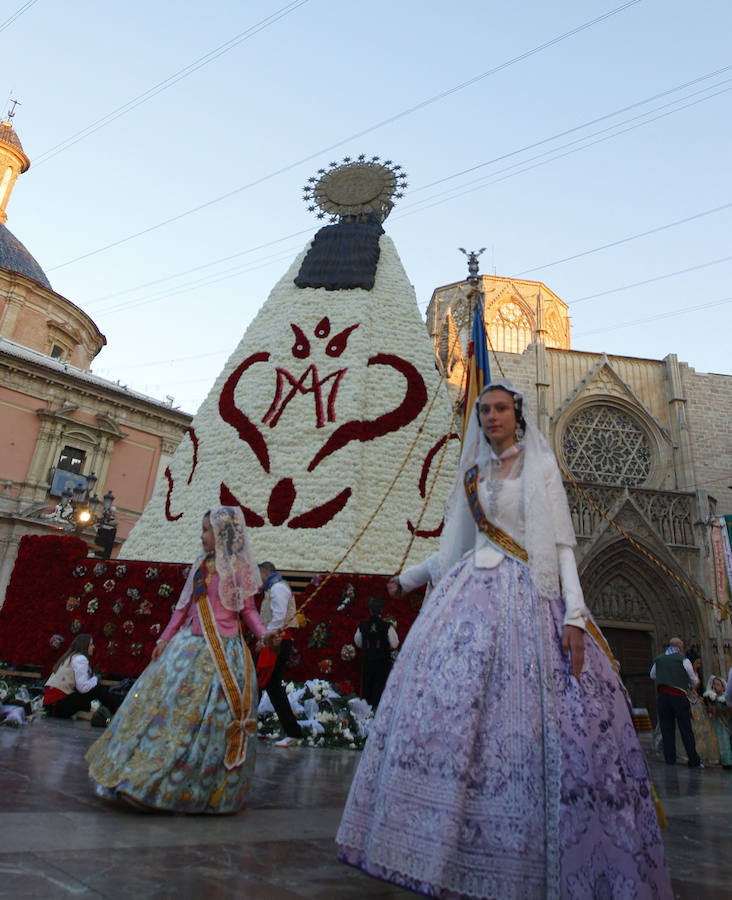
(638, 607)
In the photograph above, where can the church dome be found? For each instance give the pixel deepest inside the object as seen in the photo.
(16, 258)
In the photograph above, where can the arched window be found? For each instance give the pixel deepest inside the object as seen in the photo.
(604, 444)
(510, 330)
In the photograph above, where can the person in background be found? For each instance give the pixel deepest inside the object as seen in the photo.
(721, 720)
(278, 611)
(71, 686)
(376, 638)
(673, 674)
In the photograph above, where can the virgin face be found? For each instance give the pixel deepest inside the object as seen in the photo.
(498, 419)
(207, 535)
(717, 686)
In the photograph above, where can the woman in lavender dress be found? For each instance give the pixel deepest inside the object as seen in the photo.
(502, 762)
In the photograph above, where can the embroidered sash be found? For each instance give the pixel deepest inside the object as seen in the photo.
(242, 726)
(495, 535)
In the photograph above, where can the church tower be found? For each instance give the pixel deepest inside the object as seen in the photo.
(13, 162)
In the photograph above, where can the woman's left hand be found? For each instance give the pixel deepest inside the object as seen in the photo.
(573, 642)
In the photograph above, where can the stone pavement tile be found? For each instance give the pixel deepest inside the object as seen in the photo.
(60, 840)
(136, 873)
(28, 876)
(307, 868)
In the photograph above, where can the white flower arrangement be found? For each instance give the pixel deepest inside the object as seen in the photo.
(388, 325)
(328, 719)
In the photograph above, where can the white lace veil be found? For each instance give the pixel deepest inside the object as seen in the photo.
(546, 512)
(236, 564)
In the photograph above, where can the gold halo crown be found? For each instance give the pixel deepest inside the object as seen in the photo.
(355, 187)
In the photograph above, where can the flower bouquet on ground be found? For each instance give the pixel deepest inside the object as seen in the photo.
(326, 718)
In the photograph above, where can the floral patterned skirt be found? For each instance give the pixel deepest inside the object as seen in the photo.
(490, 772)
(165, 746)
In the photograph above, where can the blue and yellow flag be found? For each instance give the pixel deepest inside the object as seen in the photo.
(479, 374)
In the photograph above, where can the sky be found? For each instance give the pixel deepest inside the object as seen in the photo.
(584, 144)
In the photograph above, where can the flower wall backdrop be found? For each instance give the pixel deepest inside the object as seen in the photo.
(56, 592)
(307, 425)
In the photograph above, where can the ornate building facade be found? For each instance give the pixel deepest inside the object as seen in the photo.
(59, 423)
(645, 444)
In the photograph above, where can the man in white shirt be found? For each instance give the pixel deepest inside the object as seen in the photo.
(278, 610)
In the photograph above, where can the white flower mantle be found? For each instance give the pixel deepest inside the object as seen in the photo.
(311, 362)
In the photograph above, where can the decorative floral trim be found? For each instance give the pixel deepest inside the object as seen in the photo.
(414, 401)
(280, 501)
(168, 514)
(316, 518)
(191, 431)
(320, 635)
(231, 413)
(23, 641)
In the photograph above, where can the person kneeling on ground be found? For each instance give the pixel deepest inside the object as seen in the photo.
(72, 687)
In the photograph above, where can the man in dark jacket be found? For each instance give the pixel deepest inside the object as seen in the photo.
(674, 674)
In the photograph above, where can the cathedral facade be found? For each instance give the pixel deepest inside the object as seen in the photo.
(645, 449)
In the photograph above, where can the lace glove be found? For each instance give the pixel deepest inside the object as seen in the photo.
(575, 611)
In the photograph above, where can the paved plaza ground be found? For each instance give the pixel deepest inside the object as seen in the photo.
(58, 840)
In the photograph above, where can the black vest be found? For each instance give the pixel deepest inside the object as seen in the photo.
(375, 639)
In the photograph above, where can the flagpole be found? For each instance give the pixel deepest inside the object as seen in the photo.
(477, 369)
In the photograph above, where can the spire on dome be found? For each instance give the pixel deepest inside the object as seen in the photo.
(13, 160)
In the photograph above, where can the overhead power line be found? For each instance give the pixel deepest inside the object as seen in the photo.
(548, 156)
(664, 315)
(632, 237)
(214, 262)
(166, 83)
(518, 168)
(626, 287)
(17, 14)
(574, 129)
(434, 99)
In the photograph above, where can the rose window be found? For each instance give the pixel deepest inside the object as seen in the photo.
(605, 445)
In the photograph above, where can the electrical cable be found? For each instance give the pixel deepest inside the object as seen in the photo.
(521, 167)
(411, 210)
(665, 315)
(17, 14)
(550, 43)
(625, 287)
(166, 83)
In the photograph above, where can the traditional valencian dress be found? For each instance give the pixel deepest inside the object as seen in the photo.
(184, 738)
(490, 770)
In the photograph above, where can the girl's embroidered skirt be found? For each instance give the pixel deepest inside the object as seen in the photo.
(165, 746)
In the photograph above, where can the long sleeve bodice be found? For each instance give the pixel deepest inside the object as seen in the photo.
(502, 502)
(227, 622)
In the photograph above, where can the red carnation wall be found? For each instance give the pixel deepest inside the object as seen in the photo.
(56, 591)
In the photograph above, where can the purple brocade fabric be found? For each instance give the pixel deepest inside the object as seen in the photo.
(490, 772)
